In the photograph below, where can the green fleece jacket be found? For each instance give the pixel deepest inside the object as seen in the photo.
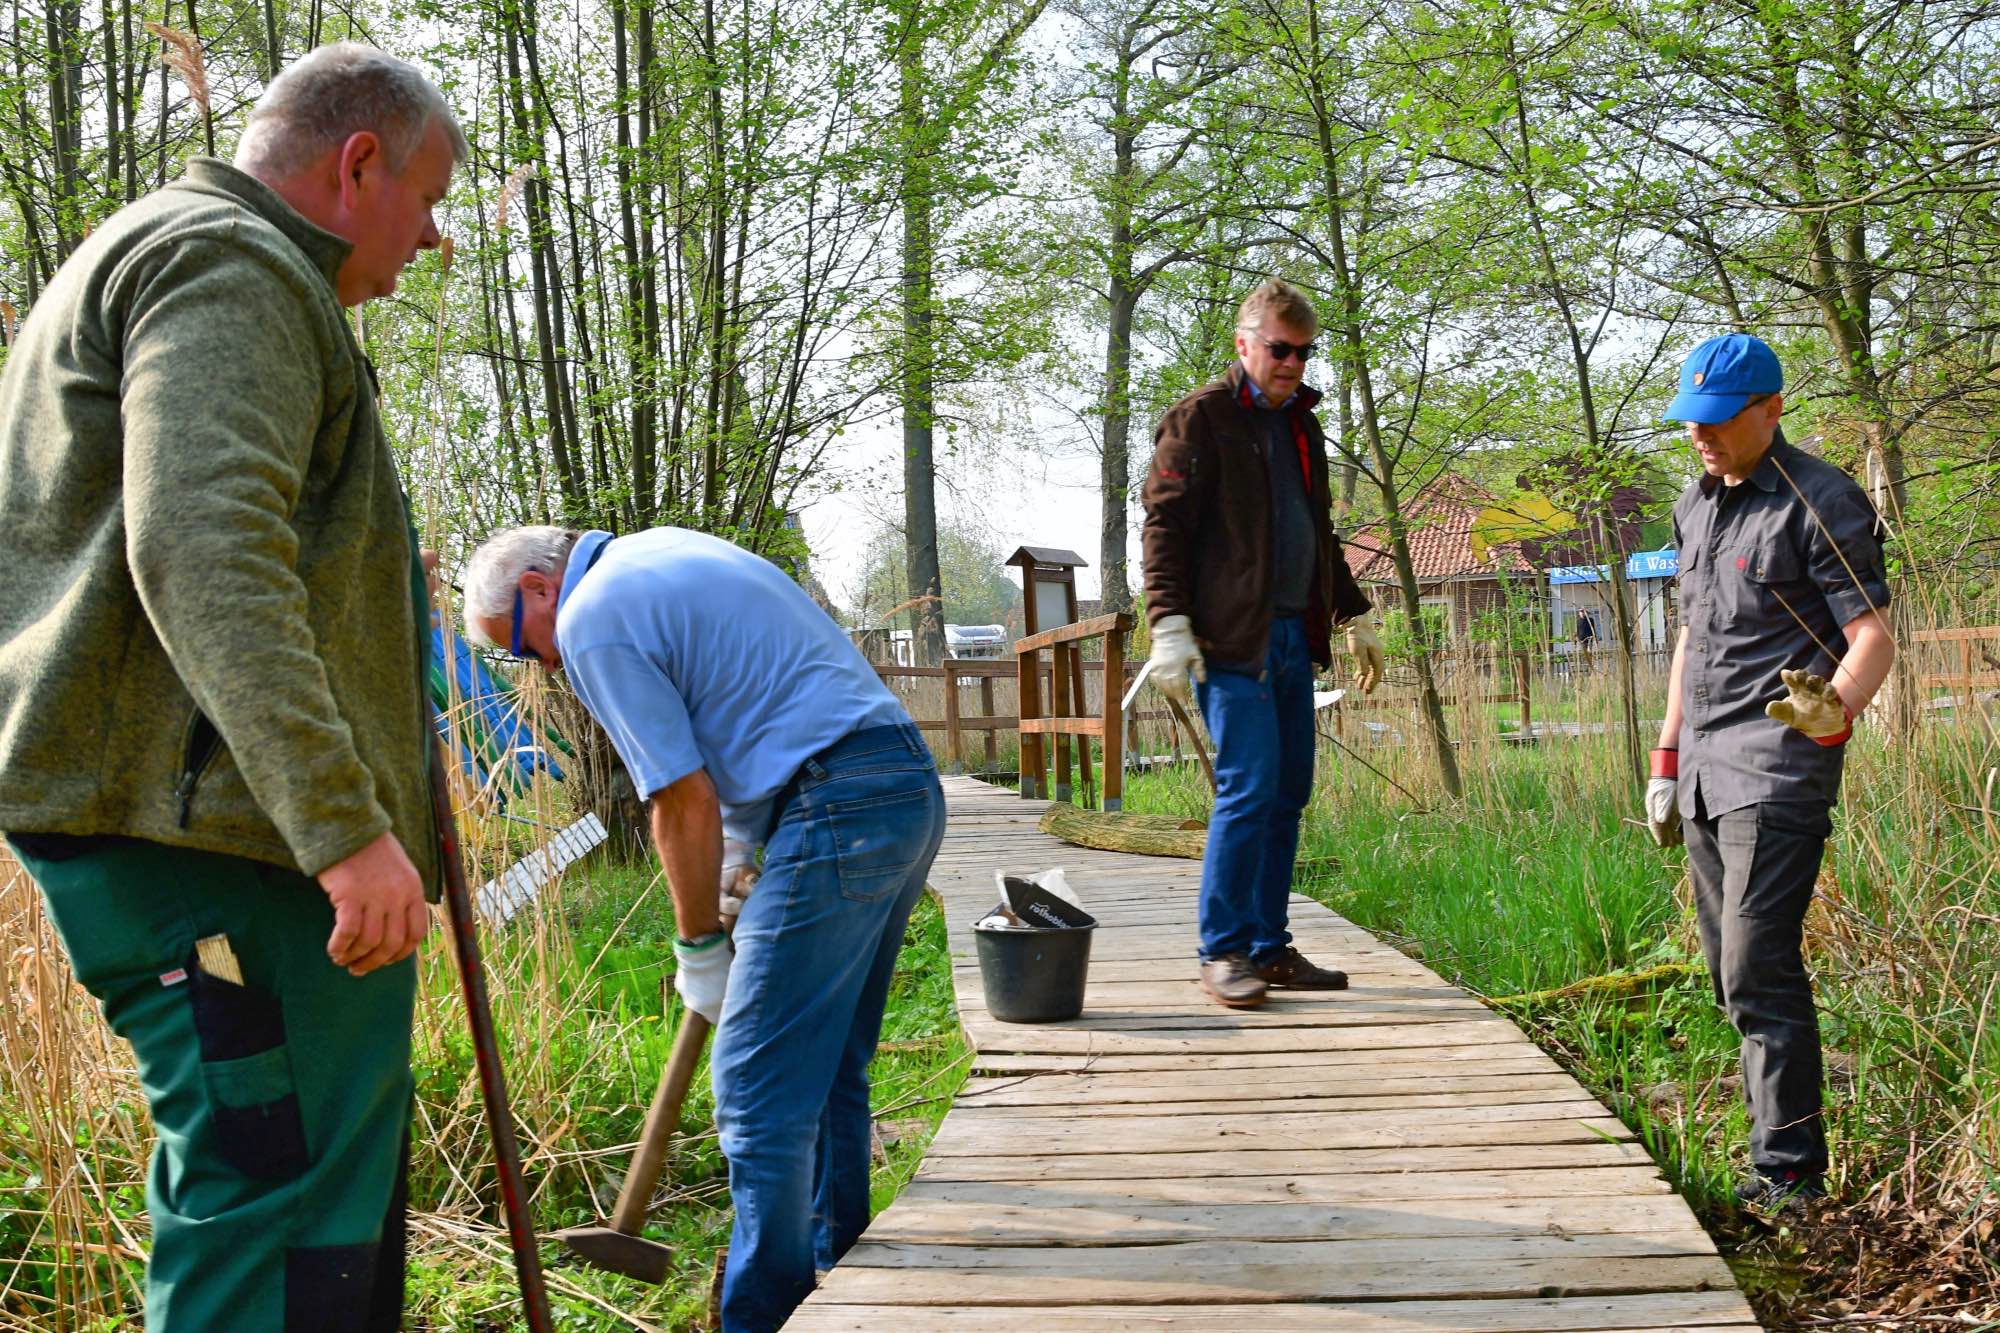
(210, 634)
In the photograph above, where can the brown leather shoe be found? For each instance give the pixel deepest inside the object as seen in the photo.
(1292, 970)
(1231, 981)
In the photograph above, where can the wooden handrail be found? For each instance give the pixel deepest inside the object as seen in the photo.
(1082, 629)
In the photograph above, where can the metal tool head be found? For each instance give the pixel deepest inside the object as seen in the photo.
(616, 1252)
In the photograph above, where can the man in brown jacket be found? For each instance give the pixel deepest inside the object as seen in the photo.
(1244, 585)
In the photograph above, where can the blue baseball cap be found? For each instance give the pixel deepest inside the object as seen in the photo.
(1721, 376)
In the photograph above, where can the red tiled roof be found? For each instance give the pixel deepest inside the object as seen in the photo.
(1440, 527)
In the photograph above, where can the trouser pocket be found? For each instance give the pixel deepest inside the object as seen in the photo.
(246, 1072)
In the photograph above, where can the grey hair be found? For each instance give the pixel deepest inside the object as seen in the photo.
(319, 100)
(495, 571)
(1277, 297)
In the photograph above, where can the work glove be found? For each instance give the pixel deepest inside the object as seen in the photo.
(1174, 657)
(739, 876)
(1812, 706)
(701, 973)
(1663, 811)
(1366, 650)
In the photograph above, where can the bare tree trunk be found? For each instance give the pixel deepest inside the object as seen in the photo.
(919, 386)
(1621, 610)
(1371, 427)
(274, 51)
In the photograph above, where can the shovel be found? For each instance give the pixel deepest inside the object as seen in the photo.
(619, 1248)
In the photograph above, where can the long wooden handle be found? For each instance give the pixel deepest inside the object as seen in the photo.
(663, 1117)
(486, 1055)
(1194, 737)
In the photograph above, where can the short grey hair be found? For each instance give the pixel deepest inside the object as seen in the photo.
(495, 571)
(1277, 297)
(321, 99)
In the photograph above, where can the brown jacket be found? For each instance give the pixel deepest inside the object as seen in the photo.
(1208, 541)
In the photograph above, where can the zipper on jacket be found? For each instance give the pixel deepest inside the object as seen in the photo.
(198, 751)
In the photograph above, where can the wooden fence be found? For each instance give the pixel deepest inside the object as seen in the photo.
(1976, 649)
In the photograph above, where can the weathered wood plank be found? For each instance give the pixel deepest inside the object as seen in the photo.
(1451, 1127)
(1139, 1165)
(1525, 1071)
(1081, 1218)
(1423, 1270)
(1685, 1312)
(1380, 1187)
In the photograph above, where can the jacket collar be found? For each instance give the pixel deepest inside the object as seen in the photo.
(1765, 476)
(582, 555)
(1242, 391)
(326, 251)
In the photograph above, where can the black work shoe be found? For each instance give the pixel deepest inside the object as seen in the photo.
(1782, 1192)
(1292, 970)
(1230, 980)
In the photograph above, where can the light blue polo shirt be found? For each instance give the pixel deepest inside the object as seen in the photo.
(693, 653)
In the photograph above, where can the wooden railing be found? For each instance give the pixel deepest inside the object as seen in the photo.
(1978, 657)
(1066, 692)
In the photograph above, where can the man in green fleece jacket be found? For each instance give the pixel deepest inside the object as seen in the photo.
(214, 736)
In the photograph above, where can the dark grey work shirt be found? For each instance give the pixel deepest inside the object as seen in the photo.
(1769, 573)
(1295, 544)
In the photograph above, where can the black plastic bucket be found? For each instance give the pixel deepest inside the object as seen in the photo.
(1034, 976)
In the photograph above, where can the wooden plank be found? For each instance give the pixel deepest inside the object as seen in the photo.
(1005, 1037)
(1532, 1122)
(1082, 629)
(1352, 1045)
(1527, 1071)
(1208, 1167)
(1687, 1312)
(1186, 1274)
(1548, 1085)
(1076, 1218)
(1062, 726)
(1324, 1190)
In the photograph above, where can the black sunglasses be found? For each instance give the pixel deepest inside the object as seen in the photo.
(1282, 350)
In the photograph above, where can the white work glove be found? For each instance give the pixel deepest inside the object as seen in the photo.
(1174, 656)
(1663, 811)
(739, 876)
(701, 974)
(1811, 705)
(1366, 650)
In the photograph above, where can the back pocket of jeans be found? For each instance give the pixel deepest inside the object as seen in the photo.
(876, 841)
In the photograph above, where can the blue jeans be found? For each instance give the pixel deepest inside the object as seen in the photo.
(1262, 724)
(815, 947)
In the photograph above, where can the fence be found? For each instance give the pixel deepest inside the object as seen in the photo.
(1966, 658)
(1069, 714)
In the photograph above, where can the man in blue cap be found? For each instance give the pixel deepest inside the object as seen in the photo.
(1782, 593)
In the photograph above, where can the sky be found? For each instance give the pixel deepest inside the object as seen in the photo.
(1012, 493)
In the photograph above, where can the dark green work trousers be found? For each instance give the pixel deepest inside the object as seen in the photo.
(282, 1105)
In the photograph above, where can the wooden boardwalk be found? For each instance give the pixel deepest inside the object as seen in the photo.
(1392, 1158)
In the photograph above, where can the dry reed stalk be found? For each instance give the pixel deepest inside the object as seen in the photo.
(517, 180)
(72, 1090)
(184, 57)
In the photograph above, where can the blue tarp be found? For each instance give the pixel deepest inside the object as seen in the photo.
(492, 734)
